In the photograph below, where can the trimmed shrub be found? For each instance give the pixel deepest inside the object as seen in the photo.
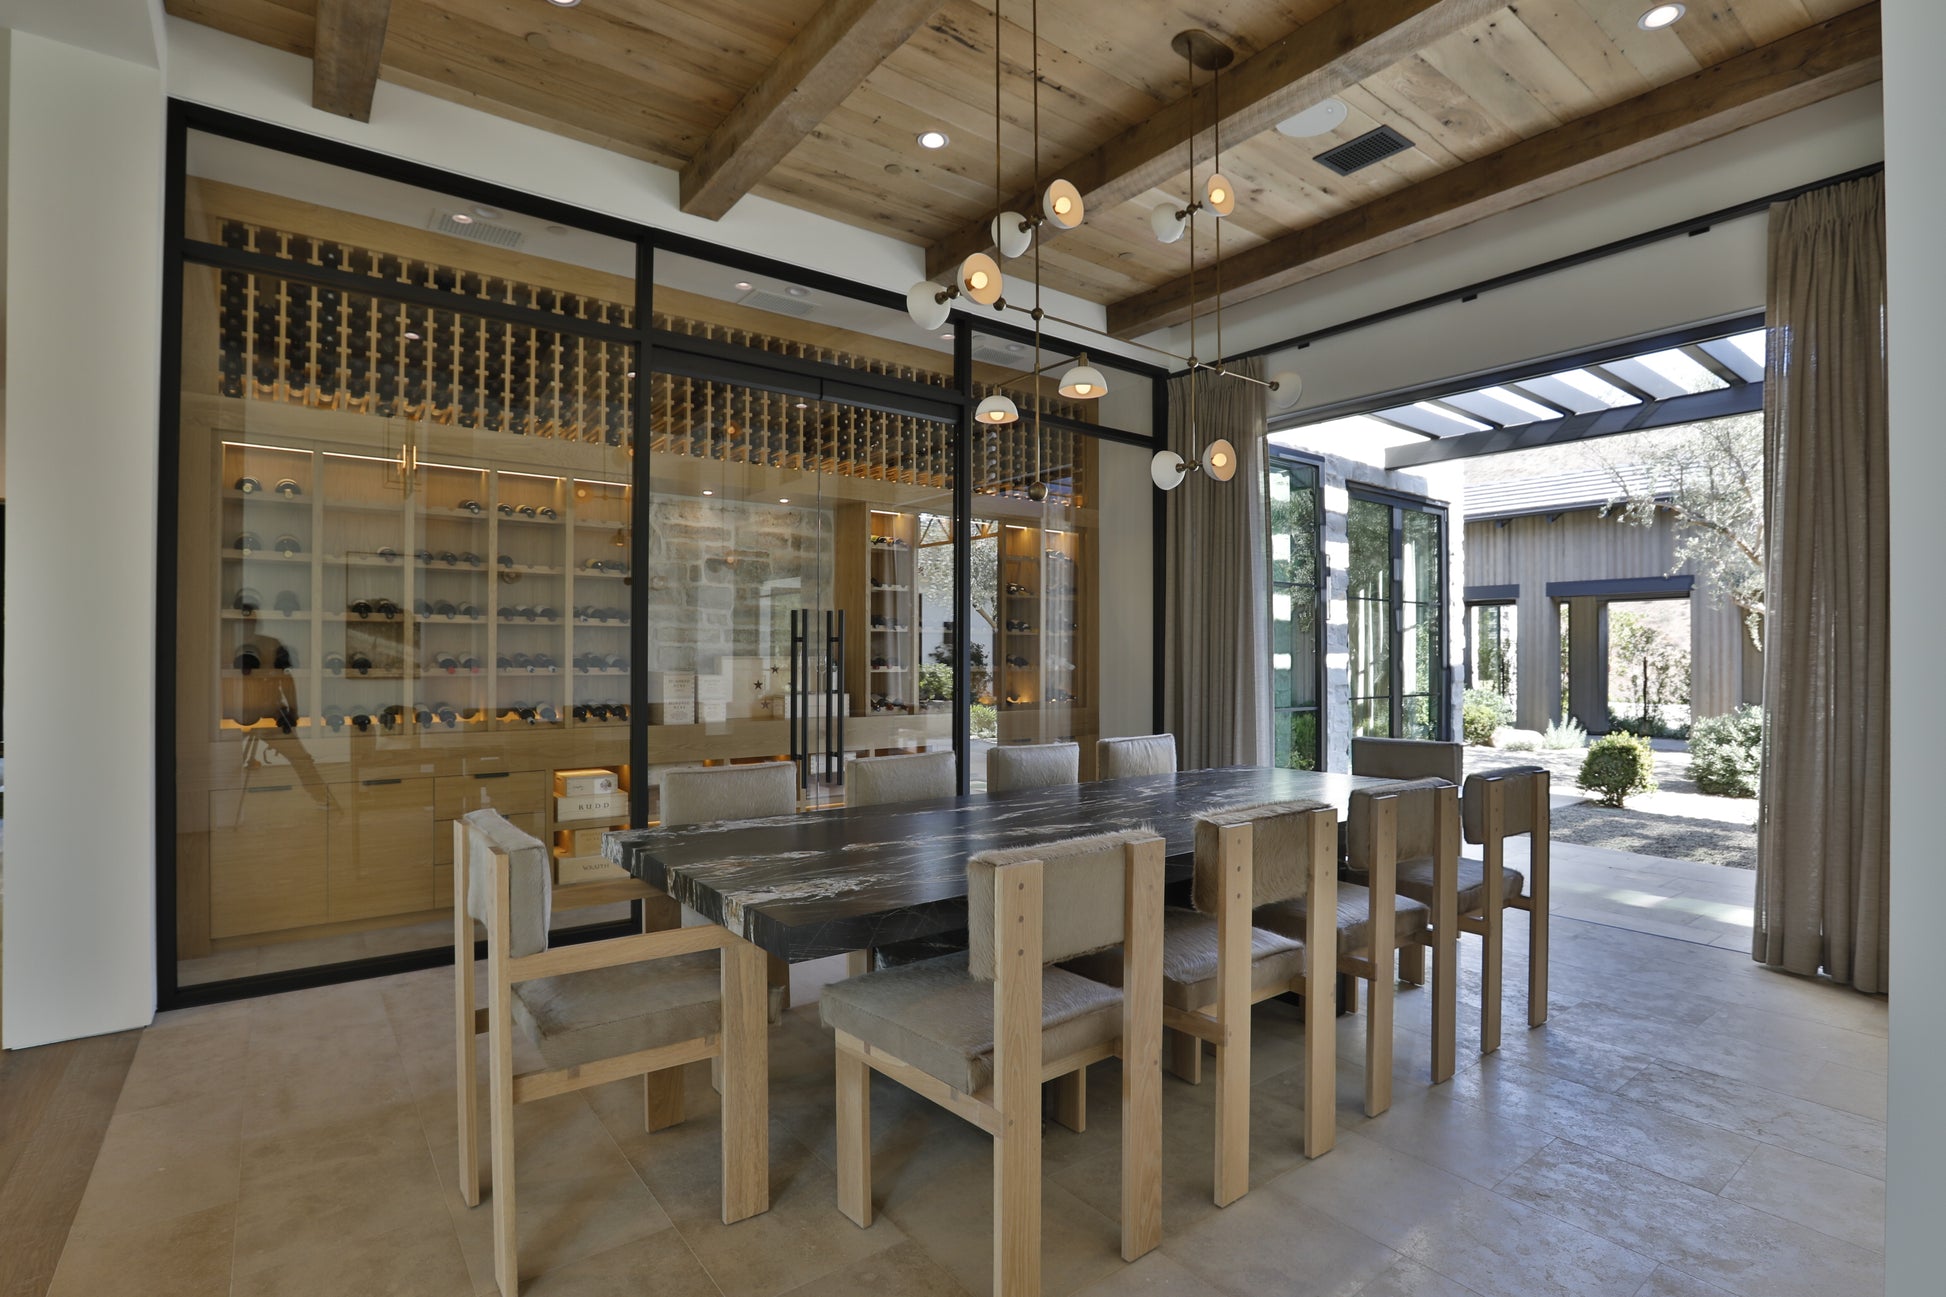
(1564, 736)
(1725, 752)
(1483, 712)
(1617, 766)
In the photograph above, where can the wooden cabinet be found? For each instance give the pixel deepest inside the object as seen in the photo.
(384, 847)
(267, 854)
(513, 793)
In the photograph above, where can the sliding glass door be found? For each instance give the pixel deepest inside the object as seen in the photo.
(1296, 565)
(1396, 597)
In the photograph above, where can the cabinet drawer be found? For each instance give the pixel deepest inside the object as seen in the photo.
(384, 840)
(267, 849)
(511, 792)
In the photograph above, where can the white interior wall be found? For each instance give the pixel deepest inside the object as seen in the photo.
(84, 222)
(1915, 1196)
(1675, 282)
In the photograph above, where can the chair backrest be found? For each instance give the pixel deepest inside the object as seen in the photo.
(1408, 759)
(1147, 754)
(907, 777)
(1418, 827)
(1084, 886)
(712, 794)
(1032, 765)
(1519, 789)
(1281, 851)
(530, 887)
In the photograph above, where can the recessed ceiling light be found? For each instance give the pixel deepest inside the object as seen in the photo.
(709, 493)
(783, 500)
(1319, 119)
(557, 229)
(802, 405)
(795, 291)
(742, 285)
(486, 213)
(1659, 17)
(945, 337)
(461, 218)
(564, 4)
(933, 140)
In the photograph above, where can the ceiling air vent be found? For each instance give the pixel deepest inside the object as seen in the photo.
(1372, 146)
(775, 303)
(500, 236)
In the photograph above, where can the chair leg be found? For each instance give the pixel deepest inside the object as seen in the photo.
(1071, 1100)
(1490, 969)
(858, 962)
(1185, 1057)
(1320, 1070)
(1537, 958)
(1378, 1042)
(467, 1085)
(500, 1090)
(1412, 965)
(662, 1099)
(746, 1083)
(1233, 1112)
(854, 1138)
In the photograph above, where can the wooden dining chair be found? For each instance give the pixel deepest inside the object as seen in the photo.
(599, 1011)
(1013, 766)
(1216, 964)
(1408, 759)
(979, 1033)
(1130, 758)
(1498, 806)
(903, 777)
(1388, 823)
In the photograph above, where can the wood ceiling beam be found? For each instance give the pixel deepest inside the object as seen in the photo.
(1334, 51)
(350, 37)
(1803, 68)
(830, 58)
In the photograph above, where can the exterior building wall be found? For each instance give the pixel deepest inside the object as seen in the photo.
(1530, 552)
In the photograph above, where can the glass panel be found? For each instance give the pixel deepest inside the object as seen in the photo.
(1368, 528)
(393, 518)
(1495, 640)
(1295, 564)
(1421, 623)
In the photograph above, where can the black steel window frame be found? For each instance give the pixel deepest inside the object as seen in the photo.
(1281, 459)
(1466, 626)
(656, 350)
(1400, 503)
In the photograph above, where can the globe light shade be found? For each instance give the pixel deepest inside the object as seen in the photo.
(979, 279)
(996, 409)
(926, 303)
(1219, 195)
(1167, 470)
(1062, 203)
(1166, 225)
(1288, 390)
(1084, 382)
(1220, 460)
(1011, 233)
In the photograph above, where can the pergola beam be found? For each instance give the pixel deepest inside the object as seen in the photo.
(834, 53)
(1334, 51)
(345, 49)
(1806, 67)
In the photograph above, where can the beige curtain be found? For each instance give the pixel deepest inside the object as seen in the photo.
(1216, 684)
(1822, 841)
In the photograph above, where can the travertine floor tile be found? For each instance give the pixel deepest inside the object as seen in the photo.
(1840, 1138)
(1829, 1199)
(162, 1162)
(183, 1256)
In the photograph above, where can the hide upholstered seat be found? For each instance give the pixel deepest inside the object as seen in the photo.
(1013, 766)
(1131, 758)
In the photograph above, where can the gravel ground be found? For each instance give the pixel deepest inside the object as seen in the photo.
(1675, 822)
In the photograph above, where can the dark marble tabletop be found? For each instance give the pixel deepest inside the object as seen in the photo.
(826, 882)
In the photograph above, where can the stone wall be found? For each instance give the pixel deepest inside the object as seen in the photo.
(723, 576)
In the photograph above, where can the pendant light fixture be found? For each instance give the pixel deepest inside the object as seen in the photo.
(1084, 382)
(1218, 197)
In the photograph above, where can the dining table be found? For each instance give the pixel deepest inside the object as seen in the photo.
(811, 885)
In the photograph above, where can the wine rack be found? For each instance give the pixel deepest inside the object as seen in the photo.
(284, 339)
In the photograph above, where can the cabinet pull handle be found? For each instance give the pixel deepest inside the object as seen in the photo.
(376, 783)
(270, 788)
(495, 774)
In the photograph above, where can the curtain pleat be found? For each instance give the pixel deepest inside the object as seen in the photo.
(1216, 685)
(1823, 847)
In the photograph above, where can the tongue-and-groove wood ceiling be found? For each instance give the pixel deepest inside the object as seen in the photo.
(817, 103)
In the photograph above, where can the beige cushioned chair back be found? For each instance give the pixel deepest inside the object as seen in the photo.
(1418, 825)
(1280, 852)
(711, 794)
(1148, 754)
(1082, 885)
(1408, 759)
(1516, 799)
(529, 883)
(907, 777)
(1032, 765)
